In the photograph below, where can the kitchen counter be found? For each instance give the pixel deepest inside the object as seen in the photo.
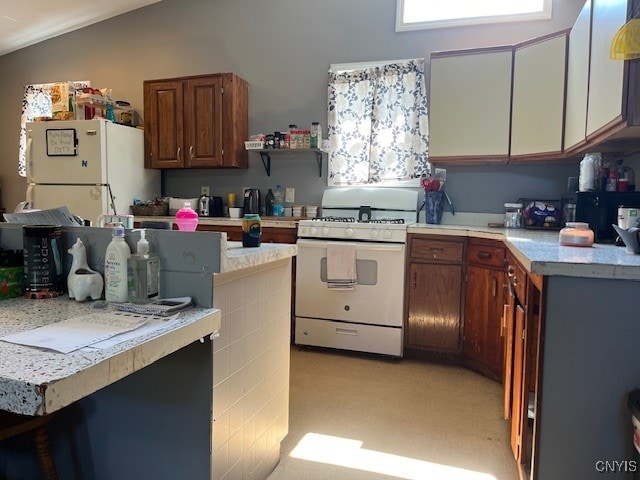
(39, 382)
(233, 256)
(276, 222)
(541, 253)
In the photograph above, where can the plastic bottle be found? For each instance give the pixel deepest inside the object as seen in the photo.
(269, 200)
(187, 218)
(143, 269)
(278, 202)
(316, 135)
(115, 268)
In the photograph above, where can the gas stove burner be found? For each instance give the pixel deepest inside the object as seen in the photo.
(336, 219)
(387, 220)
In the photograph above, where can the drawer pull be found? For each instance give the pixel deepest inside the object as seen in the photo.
(346, 331)
(484, 255)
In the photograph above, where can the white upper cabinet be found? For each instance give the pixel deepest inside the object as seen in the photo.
(607, 94)
(578, 80)
(538, 96)
(470, 105)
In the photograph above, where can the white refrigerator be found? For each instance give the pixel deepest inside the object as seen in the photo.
(93, 167)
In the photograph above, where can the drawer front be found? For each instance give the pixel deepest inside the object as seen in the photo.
(485, 255)
(517, 276)
(440, 250)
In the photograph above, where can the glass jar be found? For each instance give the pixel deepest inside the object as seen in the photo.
(512, 215)
(576, 234)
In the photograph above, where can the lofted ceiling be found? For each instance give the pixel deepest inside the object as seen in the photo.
(26, 22)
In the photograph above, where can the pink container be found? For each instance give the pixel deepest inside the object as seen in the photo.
(187, 218)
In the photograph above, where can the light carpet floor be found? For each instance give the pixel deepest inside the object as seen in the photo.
(362, 417)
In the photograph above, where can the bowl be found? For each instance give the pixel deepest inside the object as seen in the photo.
(235, 212)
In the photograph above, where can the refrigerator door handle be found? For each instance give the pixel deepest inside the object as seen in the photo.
(29, 197)
(28, 158)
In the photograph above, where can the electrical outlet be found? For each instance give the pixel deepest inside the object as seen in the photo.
(204, 190)
(289, 195)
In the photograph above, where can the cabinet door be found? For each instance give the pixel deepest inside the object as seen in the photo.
(164, 124)
(519, 395)
(606, 77)
(538, 79)
(482, 339)
(434, 306)
(578, 79)
(508, 327)
(203, 116)
(470, 106)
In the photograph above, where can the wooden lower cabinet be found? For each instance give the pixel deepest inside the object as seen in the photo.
(269, 234)
(523, 334)
(483, 307)
(434, 299)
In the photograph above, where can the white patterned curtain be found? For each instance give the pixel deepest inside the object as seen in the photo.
(36, 103)
(378, 124)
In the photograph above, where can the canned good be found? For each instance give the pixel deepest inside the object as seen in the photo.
(251, 230)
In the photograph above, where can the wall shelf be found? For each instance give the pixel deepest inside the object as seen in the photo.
(265, 155)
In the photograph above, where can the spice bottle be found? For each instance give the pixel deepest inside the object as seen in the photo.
(316, 135)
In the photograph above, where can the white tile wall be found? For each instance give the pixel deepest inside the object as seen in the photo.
(251, 371)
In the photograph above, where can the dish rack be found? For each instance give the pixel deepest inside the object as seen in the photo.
(253, 145)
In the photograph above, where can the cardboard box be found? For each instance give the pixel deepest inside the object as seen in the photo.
(11, 282)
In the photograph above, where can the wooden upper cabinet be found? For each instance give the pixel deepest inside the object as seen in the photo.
(164, 134)
(204, 116)
(539, 71)
(578, 80)
(196, 122)
(607, 86)
(470, 106)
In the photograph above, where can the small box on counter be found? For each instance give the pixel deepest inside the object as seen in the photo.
(11, 274)
(541, 214)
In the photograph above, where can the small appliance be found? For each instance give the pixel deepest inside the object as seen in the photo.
(252, 201)
(600, 211)
(210, 206)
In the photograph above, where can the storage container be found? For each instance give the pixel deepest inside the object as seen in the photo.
(576, 234)
(513, 215)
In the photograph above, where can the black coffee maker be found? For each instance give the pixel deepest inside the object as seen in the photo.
(252, 201)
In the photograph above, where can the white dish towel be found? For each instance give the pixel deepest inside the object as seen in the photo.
(341, 266)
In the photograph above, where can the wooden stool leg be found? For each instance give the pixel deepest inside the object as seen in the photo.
(43, 451)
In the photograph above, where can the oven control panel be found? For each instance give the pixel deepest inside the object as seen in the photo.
(352, 231)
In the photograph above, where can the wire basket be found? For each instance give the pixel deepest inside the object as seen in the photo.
(253, 145)
(151, 210)
(541, 214)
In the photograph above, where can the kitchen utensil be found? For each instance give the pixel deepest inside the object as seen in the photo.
(252, 201)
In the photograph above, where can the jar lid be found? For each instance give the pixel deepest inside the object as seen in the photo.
(577, 225)
(512, 205)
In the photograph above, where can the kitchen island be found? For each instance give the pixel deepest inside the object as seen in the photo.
(180, 416)
(589, 353)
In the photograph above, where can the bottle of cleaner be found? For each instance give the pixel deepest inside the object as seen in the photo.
(143, 273)
(278, 202)
(115, 268)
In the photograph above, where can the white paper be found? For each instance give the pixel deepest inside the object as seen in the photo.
(55, 216)
(152, 324)
(77, 332)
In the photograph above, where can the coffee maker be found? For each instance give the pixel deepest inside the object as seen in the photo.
(252, 201)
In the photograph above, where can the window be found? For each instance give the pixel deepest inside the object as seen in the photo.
(378, 130)
(423, 14)
(36, 103)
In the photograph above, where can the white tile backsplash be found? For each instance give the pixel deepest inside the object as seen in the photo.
(251, 370)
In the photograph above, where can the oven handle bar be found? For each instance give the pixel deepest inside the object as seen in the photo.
(360, 246)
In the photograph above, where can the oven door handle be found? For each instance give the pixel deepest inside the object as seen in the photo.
(360, 246)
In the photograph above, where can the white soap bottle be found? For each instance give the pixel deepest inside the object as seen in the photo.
(115, 268)
(144, 273)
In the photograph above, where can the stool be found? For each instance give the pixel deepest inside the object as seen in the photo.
(12, 424)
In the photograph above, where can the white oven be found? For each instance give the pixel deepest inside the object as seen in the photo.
(369, 316)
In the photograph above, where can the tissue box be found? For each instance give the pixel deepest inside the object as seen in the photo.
(11, 282)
